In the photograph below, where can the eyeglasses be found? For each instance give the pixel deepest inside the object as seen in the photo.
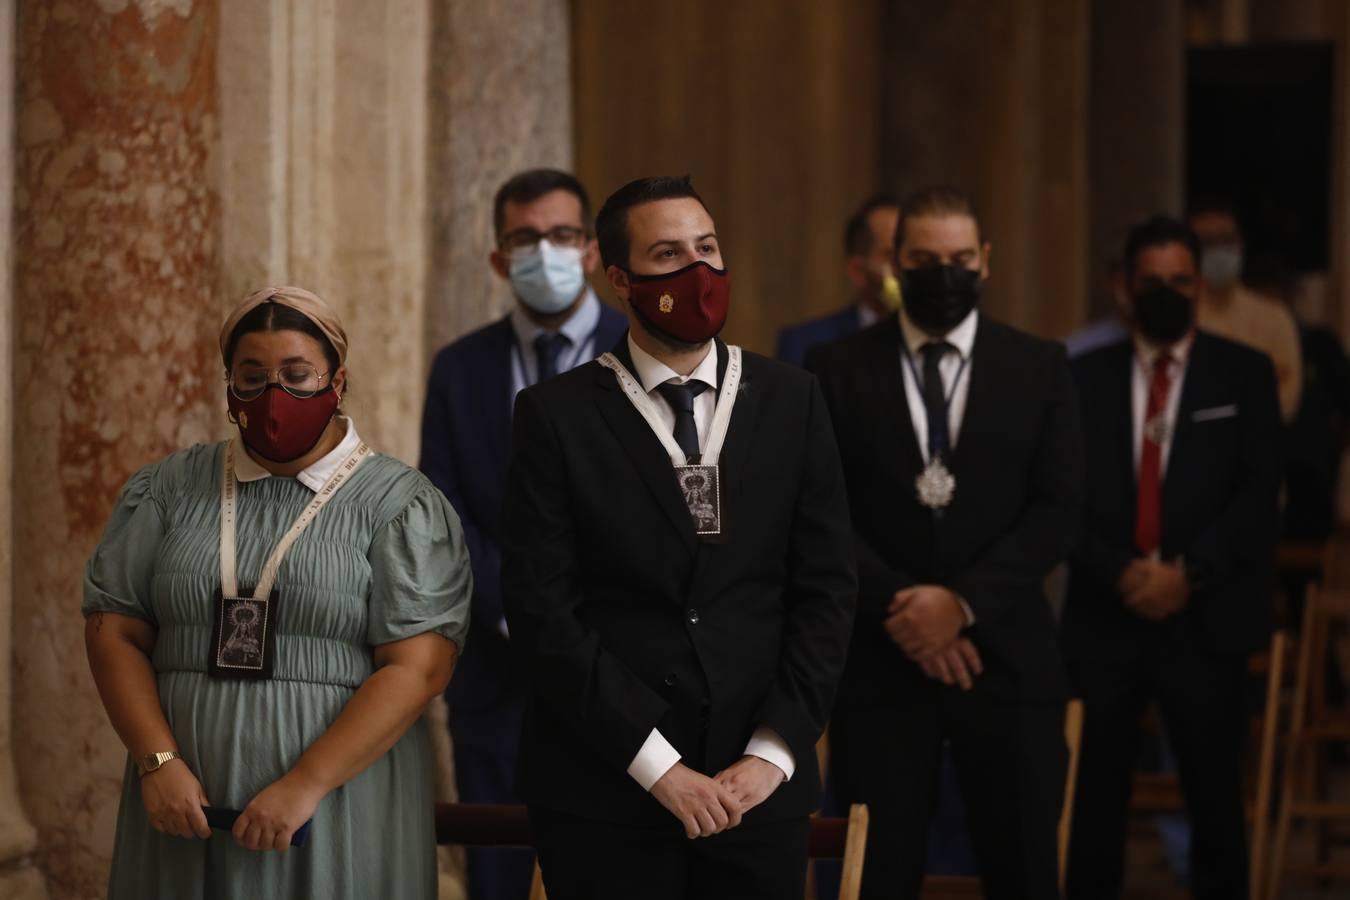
(529, 238)
(297, 379)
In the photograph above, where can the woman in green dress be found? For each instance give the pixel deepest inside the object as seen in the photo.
(266, 619)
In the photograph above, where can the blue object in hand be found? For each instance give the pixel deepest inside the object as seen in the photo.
(224, 820)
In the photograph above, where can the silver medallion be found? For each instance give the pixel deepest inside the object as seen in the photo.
(936, 485)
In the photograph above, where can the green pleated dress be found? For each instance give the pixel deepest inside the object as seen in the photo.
(384, 560)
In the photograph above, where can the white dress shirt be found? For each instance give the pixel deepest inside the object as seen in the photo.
(315, 475)
(962, 337)
(955, 370)
(579, 330)
(657, 756)
(1144, 355)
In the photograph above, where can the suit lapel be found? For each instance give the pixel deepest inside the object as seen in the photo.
(983, 372)
(643, 447)
(497, 400)
(896, 443)
(1120, 410)
(1193, 387)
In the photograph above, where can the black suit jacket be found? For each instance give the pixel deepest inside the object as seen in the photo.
(629, 623)
(1219, 505)
(1018, 468)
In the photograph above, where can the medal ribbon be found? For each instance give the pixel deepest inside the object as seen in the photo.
(717, 433)
(947, 400)
(229, 583)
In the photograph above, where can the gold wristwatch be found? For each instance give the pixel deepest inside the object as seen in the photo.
(152, 761)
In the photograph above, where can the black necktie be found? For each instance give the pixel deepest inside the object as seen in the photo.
(547, 348)
(935, 399)
(681, 400)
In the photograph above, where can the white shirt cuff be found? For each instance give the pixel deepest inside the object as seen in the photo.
(768, 746)
(503, 628)
(655, 759)
(965, 608)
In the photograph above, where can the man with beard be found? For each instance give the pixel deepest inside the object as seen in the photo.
(682, 661)
(963, 456)
(1170, 589)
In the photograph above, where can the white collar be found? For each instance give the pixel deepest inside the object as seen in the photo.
(962, 337)
(576, 329)
(313, 476)
(652, 372)
(1147, 351)
(867, 316)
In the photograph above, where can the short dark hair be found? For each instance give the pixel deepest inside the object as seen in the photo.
(278, 317)
(858, 231)
(532, 184)
(611, 223)
(1215, 205)
(938, 200)
(1157, 231)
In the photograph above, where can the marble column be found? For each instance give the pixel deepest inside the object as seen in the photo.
(993, 98)
(500, 97)
(20, 879)
(116, 214)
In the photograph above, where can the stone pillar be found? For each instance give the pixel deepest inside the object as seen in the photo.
(1138, 134)
(115, 260)
(992, 98)
(500, 96)
(324, 143)
(19, 877)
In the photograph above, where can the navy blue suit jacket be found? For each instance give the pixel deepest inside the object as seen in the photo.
(466, 439)
(795, 342)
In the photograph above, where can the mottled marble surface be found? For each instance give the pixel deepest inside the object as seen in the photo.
(116, 252)
(19, 878)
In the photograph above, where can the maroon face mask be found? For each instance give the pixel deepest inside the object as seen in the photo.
(690, 305)
(282, 427)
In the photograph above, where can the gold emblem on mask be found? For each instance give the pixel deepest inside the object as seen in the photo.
(243, 420)
(666, 303)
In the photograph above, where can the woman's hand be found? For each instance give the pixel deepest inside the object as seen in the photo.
(174, 799)
(270, 819)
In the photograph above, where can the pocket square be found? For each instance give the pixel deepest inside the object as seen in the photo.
(1214, 412)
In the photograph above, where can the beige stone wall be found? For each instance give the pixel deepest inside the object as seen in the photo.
(500, 91)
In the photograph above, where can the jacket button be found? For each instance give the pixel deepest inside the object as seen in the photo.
(692, 616)
(671, 679)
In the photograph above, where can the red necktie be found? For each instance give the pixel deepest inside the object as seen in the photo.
(1148, 510)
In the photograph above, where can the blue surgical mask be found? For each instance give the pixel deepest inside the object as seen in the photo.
(548, 279)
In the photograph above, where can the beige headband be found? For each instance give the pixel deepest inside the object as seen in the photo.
(309, 305)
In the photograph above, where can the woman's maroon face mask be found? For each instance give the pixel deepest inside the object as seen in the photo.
(689, 304)
(280, 426)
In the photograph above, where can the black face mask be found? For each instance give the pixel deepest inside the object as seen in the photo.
(1162, 314)
(939, 297)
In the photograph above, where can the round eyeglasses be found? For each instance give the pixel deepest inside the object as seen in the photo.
(297, 379)
(527, 239)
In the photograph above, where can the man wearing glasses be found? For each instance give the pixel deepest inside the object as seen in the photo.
(545, 249)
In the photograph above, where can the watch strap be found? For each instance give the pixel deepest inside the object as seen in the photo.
(152, 761)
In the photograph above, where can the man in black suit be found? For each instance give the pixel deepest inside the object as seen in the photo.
(1170, 588)
(679, 576)
(961, 447)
